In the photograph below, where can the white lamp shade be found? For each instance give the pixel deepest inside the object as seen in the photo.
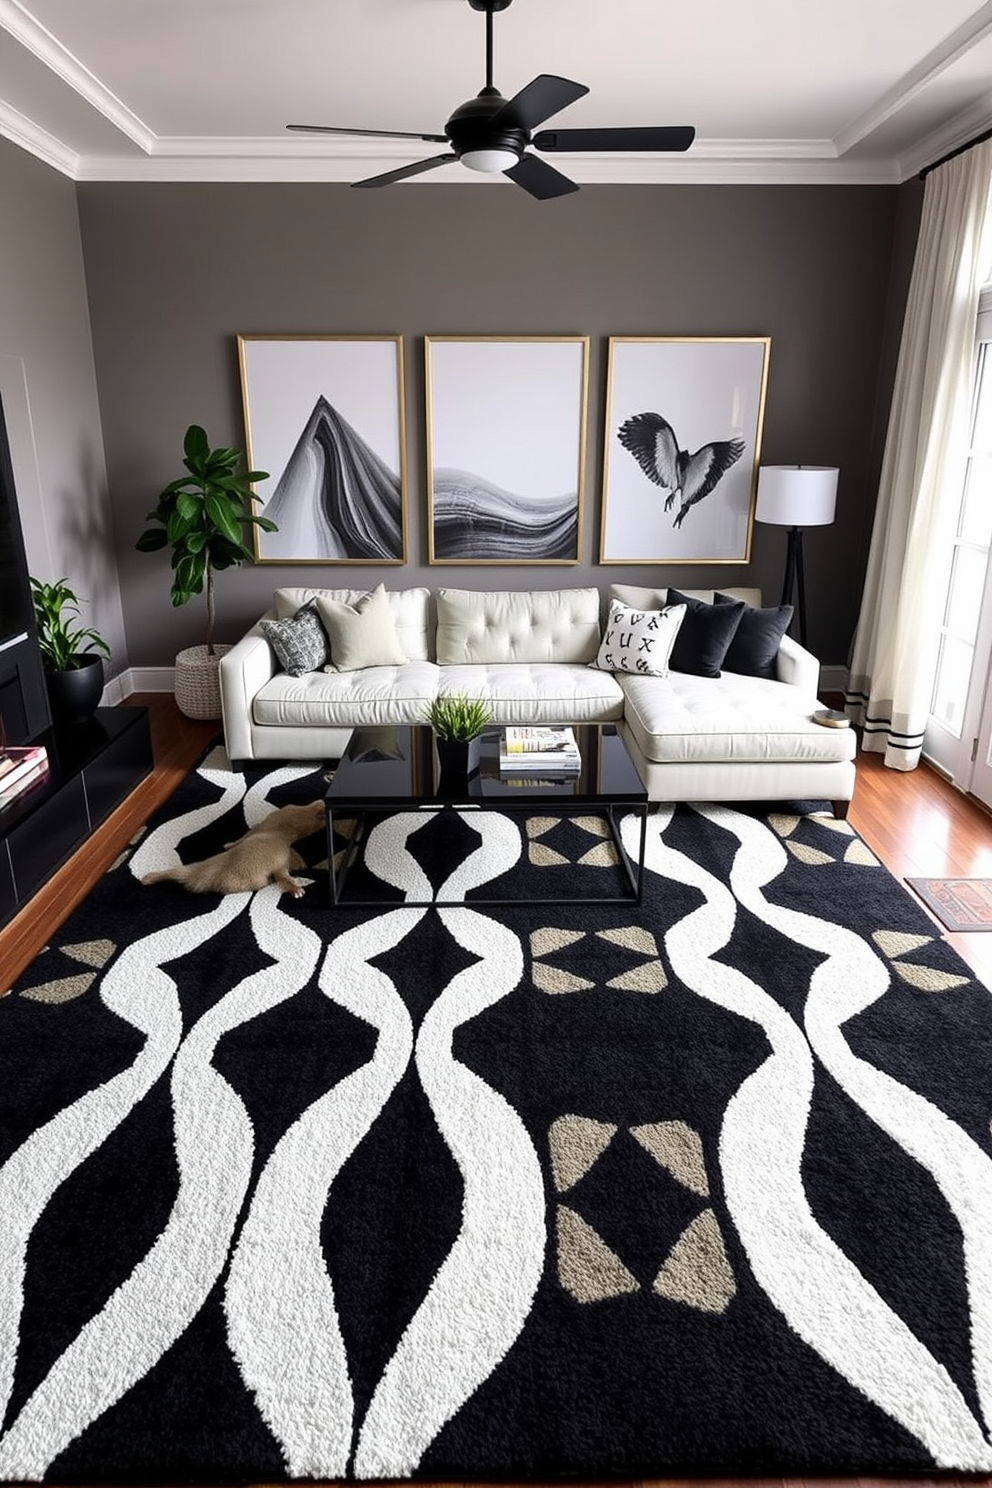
(796, 495)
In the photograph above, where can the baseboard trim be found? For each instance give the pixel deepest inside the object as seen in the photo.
(139, 679)
(833, 678)
(112, 694)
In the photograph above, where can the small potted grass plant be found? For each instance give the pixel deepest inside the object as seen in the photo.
(457, 722)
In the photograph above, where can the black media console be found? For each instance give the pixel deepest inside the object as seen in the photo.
(94, 765)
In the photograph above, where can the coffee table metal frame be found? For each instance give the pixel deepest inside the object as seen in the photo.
(395, 769)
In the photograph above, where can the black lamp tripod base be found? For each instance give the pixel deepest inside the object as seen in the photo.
(795, 578)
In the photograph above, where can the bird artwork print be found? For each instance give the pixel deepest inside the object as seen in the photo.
(652, 442)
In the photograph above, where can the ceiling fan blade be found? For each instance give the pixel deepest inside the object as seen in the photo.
(541, 98)
(539, 178)
(676, 137)
(433, 139)
(405, 171)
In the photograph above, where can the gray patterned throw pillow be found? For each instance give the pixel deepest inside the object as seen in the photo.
(300, 644)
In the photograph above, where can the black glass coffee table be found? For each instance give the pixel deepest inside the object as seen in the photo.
(395, 769)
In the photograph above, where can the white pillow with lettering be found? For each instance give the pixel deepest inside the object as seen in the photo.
(639, 641)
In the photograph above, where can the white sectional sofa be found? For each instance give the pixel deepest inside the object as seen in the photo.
(532, 655)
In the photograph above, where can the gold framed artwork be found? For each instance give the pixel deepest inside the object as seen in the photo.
(324, 415)
(506, 438)
(683, 440)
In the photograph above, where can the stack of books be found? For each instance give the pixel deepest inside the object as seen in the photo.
(20, 769)
(546, 751)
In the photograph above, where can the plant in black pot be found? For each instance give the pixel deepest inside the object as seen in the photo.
(71, 653)
(202, 517)
(457, 722)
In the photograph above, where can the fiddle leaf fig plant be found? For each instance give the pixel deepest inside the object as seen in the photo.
(62, 641)
(202, 516)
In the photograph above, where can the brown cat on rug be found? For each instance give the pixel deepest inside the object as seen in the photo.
(262, 856)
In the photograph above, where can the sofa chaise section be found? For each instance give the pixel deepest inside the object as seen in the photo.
(734, 737)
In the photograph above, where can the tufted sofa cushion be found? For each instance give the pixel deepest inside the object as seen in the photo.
(410, 609)
(731, 719)
(538, 692)
(499, 626)
(373, 696)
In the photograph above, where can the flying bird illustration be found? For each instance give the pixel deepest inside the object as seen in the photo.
(652, 442)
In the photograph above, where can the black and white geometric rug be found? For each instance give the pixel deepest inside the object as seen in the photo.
(699, 1187)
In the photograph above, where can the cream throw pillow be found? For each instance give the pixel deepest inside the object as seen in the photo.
(639, 641)
(362, 634)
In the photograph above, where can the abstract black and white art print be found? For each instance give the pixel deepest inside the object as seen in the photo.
(506, 420)
(683, 439)
(324, 416)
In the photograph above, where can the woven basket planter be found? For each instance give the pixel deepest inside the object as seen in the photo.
(197, 684)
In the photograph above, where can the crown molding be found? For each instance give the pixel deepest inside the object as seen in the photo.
(711, 162)
(333, 148)
(43, 45)
(952, 136)
(36, 141)
(951, 48)
(316, 159)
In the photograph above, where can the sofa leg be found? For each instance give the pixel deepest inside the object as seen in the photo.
(840, 809)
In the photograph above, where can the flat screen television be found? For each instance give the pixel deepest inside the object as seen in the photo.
(16, 607)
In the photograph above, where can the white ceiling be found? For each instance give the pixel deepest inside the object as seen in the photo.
(778, 90)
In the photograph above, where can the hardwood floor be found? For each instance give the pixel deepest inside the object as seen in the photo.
(920, 826)
(177, 742)
(916, 823)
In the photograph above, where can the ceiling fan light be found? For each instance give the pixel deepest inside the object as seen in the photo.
(490, 160)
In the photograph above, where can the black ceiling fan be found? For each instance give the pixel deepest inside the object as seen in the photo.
(492, 133)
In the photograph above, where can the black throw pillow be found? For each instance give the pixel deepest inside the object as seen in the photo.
(704, 636)
(755, 644)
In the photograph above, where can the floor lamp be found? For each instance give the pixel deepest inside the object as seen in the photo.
(796, 496)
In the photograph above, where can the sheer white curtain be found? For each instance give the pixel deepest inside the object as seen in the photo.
(895, 647)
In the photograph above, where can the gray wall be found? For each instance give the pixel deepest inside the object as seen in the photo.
(175, 272)
(48, 386)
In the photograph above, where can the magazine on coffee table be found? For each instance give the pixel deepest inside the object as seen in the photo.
(547, 750)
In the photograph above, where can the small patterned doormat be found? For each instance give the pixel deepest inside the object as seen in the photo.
(959, 903)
